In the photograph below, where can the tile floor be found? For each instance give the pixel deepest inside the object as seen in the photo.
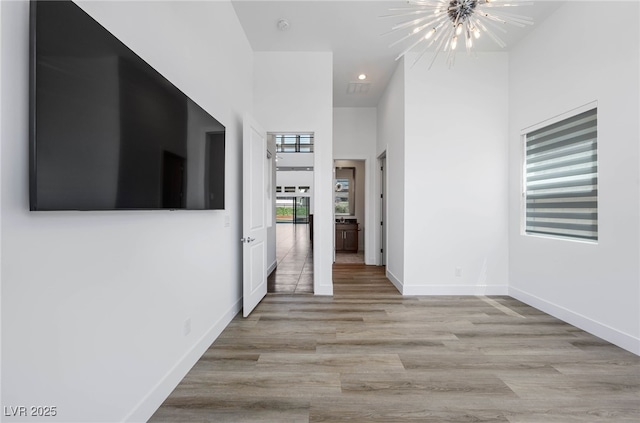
(294, 255)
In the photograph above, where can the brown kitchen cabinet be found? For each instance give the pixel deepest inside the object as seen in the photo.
(347, 237)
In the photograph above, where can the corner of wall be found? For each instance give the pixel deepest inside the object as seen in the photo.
(158, 394)
(395, 281)
(621, 339)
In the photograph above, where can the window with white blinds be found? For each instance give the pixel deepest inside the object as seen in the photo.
(561, 178)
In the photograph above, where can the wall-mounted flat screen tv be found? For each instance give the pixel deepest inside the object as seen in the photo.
(107, 131)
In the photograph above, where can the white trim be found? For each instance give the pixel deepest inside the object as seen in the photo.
(272, 267)
(159, 393)
(379, 185)
(395, 281)
(559, 237)
(558, 118)
(474, 290)
(323, 290)
(621, 339)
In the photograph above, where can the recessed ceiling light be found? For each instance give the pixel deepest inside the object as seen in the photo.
(362, 77)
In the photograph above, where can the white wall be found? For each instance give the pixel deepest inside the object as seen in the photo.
(456, 176)
(355, 137)
(564, 64)
(391, 139)
(295, 159)
(94, 303)
(294, 178)
(293, 93)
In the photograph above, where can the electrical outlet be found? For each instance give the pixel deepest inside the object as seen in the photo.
(458, 272)
(186, 329)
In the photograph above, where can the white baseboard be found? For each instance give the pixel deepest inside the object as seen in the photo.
(154, 399)
(272, 267)
(323, 290)
(395, 281)
(455, 290)
(621, 339)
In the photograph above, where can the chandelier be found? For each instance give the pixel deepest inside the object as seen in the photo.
(446, 24)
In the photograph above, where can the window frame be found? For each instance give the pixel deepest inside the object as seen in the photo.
(297, 146)
(351, 194)
(523, 203)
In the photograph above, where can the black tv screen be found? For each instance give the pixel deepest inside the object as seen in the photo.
(107, 131)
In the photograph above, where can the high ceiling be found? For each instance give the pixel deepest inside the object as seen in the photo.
(353, 30)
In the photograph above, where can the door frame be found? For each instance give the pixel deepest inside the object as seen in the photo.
(369, 211)
(382, 166)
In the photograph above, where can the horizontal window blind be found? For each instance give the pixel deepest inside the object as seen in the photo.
(562, 178)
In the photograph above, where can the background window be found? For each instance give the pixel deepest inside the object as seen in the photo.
(561, 178)
(294, 143)
(344, 191)
(292, 210)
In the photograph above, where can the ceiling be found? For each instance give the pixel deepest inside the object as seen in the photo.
(353, 30)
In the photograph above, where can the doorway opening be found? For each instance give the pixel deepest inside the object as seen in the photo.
(291, 243)
(349, 211)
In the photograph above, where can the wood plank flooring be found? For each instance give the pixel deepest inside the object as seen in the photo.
(370, 355)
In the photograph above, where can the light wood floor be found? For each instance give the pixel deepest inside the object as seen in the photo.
(370, 355)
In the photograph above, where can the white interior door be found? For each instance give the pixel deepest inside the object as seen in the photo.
(254, 215)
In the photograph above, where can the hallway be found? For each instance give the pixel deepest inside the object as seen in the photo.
(294, 255)
(294, 273)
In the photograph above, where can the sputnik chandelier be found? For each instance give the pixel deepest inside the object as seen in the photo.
(446, 24)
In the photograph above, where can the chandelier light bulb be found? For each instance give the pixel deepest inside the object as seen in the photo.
(454, 42)
(430, 33)
(459, 29)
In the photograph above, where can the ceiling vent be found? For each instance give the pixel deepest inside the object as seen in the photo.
(358, 87)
